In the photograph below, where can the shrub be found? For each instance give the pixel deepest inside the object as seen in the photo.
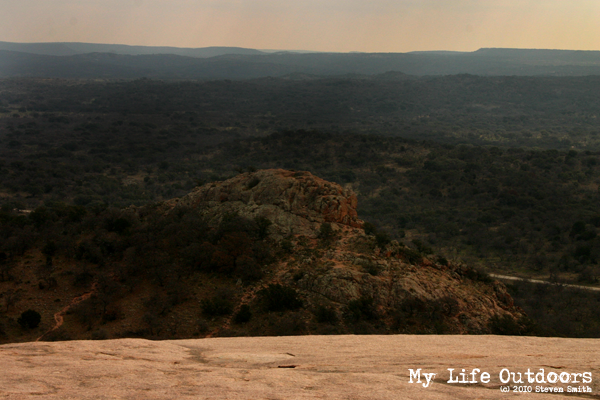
(286, 246)
(248, 269)
(371, 268)
(118, 225)
(287, 324)
(412, 256)
(326, 232)
(243, 315)
(361, 309)
(216, 307)
(29, 319)
(422, 247)
(504, 325)
(280, 298)
(326, 315)
(369, 228)
(99, 334)
(382, 239)
(476, 274)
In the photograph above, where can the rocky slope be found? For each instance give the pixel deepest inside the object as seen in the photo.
(297, 202)
(393, 283)
(269, 252)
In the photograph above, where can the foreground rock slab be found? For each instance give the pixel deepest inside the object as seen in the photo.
(295, 367)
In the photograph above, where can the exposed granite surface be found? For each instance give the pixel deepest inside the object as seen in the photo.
(325, 367)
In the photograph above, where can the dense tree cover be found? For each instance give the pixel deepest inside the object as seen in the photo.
(72, 154)
(559, 310)
(508, 209)
(541, 112)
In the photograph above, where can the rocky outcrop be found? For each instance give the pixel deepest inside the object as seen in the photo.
(419, 294)
(296, 202)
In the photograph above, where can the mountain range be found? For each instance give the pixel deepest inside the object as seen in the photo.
(106, 61)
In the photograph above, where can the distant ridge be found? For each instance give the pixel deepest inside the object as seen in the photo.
(73, 48)
(87, 60)
(542, 54)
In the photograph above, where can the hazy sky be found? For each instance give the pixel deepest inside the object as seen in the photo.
(324, 25)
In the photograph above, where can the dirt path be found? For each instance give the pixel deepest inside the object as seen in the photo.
(59, 316)
(514, 278)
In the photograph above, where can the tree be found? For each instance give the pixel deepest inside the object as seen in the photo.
(29, 319)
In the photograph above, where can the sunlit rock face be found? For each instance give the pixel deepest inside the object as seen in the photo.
(297, 202)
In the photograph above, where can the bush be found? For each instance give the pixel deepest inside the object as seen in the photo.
(287, 324)
(476, 274)
(280, 298)
(371, 268)
(326, 315)
(369, 228)
(286, 246)
(118, 225)
(422, 247)
(361, 309)
(243, 315)
(29, 319)
(504, 325)
(382, 239)
(326, 233)
(99, 335)
(412, 256)
(216, 307)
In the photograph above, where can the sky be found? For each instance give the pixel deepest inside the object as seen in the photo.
(318, 25)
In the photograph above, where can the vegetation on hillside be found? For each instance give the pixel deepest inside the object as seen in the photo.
(511, 186)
